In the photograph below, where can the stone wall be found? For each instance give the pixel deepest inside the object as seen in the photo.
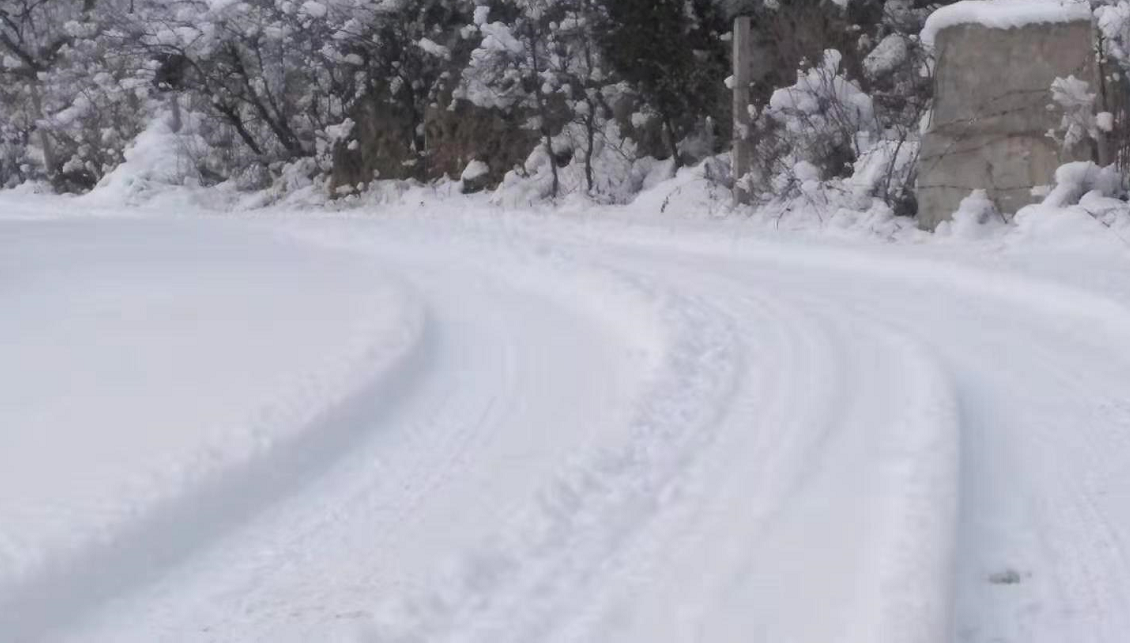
(990, 120)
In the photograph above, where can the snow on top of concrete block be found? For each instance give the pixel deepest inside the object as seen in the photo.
(1004, 14)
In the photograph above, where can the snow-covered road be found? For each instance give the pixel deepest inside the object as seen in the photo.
(512, 429)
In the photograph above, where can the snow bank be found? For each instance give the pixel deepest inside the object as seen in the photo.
(693, 191)
(154, 161)
(1004, 14)
(151, 359)
(976, 218)
(1074, 180)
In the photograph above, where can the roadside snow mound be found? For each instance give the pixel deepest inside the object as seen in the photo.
(976, 218)
(692, 191)
(154, 163)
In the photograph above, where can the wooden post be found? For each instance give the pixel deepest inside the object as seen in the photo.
(743, 147)
(175, 122)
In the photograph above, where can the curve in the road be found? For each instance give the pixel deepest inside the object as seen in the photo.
(642, 441)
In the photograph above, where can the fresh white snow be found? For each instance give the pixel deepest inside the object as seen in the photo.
(444, 423)
(148, 367)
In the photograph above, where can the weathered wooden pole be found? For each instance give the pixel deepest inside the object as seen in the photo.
(743, 152)
(175, 122)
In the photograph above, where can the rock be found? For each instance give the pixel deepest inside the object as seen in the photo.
(475, 177)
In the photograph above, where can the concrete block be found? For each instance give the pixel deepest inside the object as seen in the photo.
(990, 122)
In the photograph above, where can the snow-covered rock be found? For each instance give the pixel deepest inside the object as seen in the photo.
(314, 9)
(891, 52)
(474, 176)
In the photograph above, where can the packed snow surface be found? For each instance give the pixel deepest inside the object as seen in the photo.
(1004, 14)
(443, 423)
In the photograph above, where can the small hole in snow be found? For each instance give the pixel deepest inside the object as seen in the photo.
(1005, 577)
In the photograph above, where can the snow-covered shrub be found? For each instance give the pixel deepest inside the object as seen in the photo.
(511, 70)
(676, 65)
(556, 69)
(70, 102)
(91, 131)
(153, 161)
(887, 169)
(853, 112)
(18, 162)
(1087, 203)
(976, 217)
(1112, 19)
(1075, 101)
(1074, 180)
(406, 59)
(823, 121)
(610, 171)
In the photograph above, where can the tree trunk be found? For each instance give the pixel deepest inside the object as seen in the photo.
(672, 144)
(543, 110)
(742, 152)
(590, 132)
(44, 138)
(552, 163)
(237, 122)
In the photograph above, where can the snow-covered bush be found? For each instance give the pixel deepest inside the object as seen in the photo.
(1086, 204)
(853, 112)
(1112, 19)
(676, 66)
(976, 217)
(155, 160)
(1074, 180)
(611, 171)
(70, 102)
(558, 68)
(512, 70)
(1075, 101)
(823, 123)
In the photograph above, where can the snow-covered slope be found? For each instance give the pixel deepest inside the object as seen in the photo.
(538, 429)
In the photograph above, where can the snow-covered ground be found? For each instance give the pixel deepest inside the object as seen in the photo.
(446, 423)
